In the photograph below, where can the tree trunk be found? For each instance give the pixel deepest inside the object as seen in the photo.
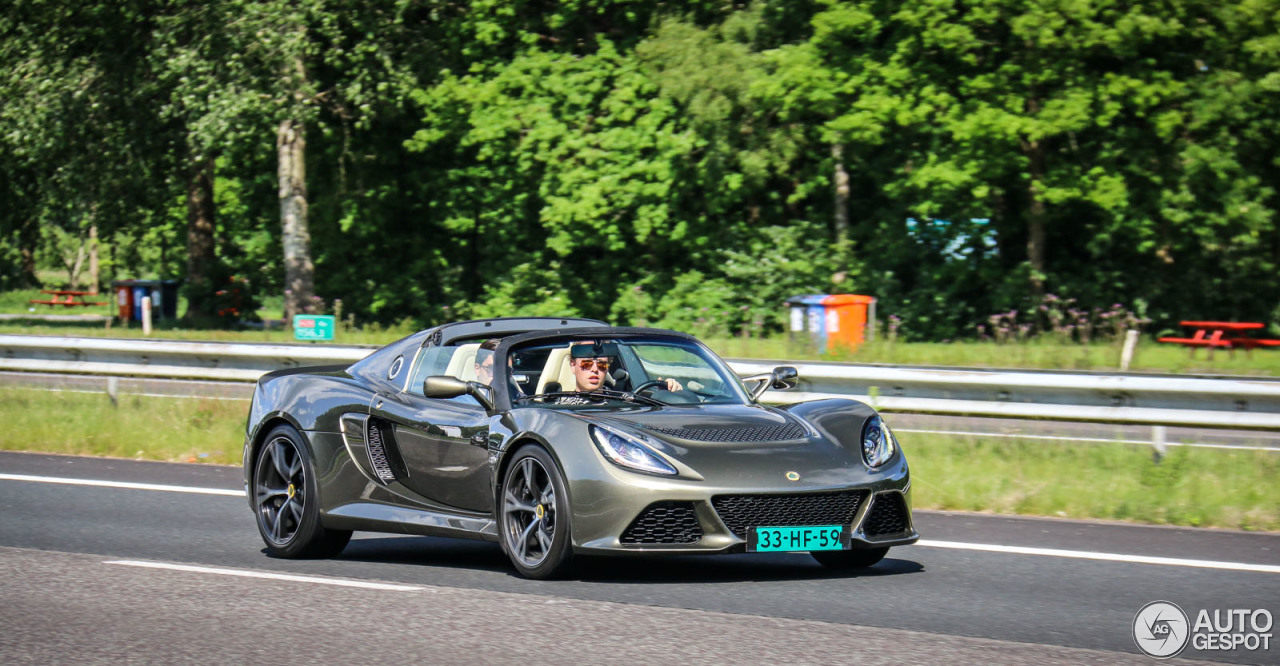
(1035, 221)
(299, 272)
(1035, 152)
(28, 239)
(93, 257)
(76, 263)
(841, 205)
(201, 255)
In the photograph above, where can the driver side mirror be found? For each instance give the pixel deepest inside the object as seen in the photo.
(782, 378)
(443, 387)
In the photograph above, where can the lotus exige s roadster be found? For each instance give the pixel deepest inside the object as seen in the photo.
(556, 437)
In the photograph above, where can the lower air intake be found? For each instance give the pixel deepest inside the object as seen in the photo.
(664, 523)
(888, 517)
(741, 512)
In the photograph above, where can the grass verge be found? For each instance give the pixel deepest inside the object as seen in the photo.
(144, 428)
(1208, 488)
(1195, 487)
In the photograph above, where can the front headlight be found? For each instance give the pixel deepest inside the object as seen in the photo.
(878, 443)
(627, 451)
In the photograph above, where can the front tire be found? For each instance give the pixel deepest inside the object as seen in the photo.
(849, 559)
(534, 518)
(286, 499)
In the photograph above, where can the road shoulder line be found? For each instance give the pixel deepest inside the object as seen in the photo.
(244, 573)
(1108, 557)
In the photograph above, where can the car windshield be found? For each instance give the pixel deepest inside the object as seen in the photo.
(577, 372)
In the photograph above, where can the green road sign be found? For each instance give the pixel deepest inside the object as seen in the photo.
(313, 327)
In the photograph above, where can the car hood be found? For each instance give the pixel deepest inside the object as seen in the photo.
(746, 445)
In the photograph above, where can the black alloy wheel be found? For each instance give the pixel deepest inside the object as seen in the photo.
(286, 500)
(849, 559)
(535, 515)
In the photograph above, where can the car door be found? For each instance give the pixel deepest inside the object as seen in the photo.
(444, 447)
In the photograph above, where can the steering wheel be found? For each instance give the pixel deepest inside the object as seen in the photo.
(652, 383)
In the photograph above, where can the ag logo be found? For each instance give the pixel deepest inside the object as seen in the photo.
(1161, 629)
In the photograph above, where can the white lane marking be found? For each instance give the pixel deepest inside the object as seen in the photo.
(1109, 557)
(122, 484)
(1089, 440)
(340, 582)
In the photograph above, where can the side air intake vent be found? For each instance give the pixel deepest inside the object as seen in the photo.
(378, 451)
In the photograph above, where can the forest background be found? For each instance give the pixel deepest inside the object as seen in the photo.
(684, 164)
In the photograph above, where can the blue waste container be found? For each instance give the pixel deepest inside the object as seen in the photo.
(808, 321)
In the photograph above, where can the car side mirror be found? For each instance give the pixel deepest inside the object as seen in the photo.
(443, 387)
(782, 378)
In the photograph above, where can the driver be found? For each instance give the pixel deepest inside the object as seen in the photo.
(590, 363)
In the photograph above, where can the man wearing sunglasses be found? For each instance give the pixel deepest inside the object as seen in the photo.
(484, 360)
(591, 363)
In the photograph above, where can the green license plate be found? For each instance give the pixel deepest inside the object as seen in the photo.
(808, 537)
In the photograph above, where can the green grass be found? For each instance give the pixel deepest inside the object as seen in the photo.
(1196, 487)
(1208, 488)
(145, 428)
(372, 334)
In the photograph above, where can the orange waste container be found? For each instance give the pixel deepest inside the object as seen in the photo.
(848, 316)
(124, 299)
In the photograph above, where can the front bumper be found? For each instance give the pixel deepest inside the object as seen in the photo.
(683, 517)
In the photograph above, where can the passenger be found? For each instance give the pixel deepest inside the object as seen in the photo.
(484, 360)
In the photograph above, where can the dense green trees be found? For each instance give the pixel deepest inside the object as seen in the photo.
(685, 164)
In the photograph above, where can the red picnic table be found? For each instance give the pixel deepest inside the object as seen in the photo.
(67, 298)
(1225, 334)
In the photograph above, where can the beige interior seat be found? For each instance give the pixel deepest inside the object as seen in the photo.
(463, 363)
(557, 369)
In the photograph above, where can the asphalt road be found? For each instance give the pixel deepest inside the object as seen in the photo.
(75, 589)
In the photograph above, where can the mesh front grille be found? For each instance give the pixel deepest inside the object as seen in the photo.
(778, 433)
(888, 517)
(378, 453)
(740, 512)
(664, 522)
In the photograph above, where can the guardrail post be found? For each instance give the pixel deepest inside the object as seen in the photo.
(146, 315)
(1126, 356)
(1158, 438)
(113, 390)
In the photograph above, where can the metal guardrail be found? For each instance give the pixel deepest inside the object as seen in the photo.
(1068, 396)
(169, 359)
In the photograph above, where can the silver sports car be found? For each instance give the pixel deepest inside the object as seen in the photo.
(557, 437)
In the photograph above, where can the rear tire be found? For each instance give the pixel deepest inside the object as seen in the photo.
(849, 559)
(286, 499)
